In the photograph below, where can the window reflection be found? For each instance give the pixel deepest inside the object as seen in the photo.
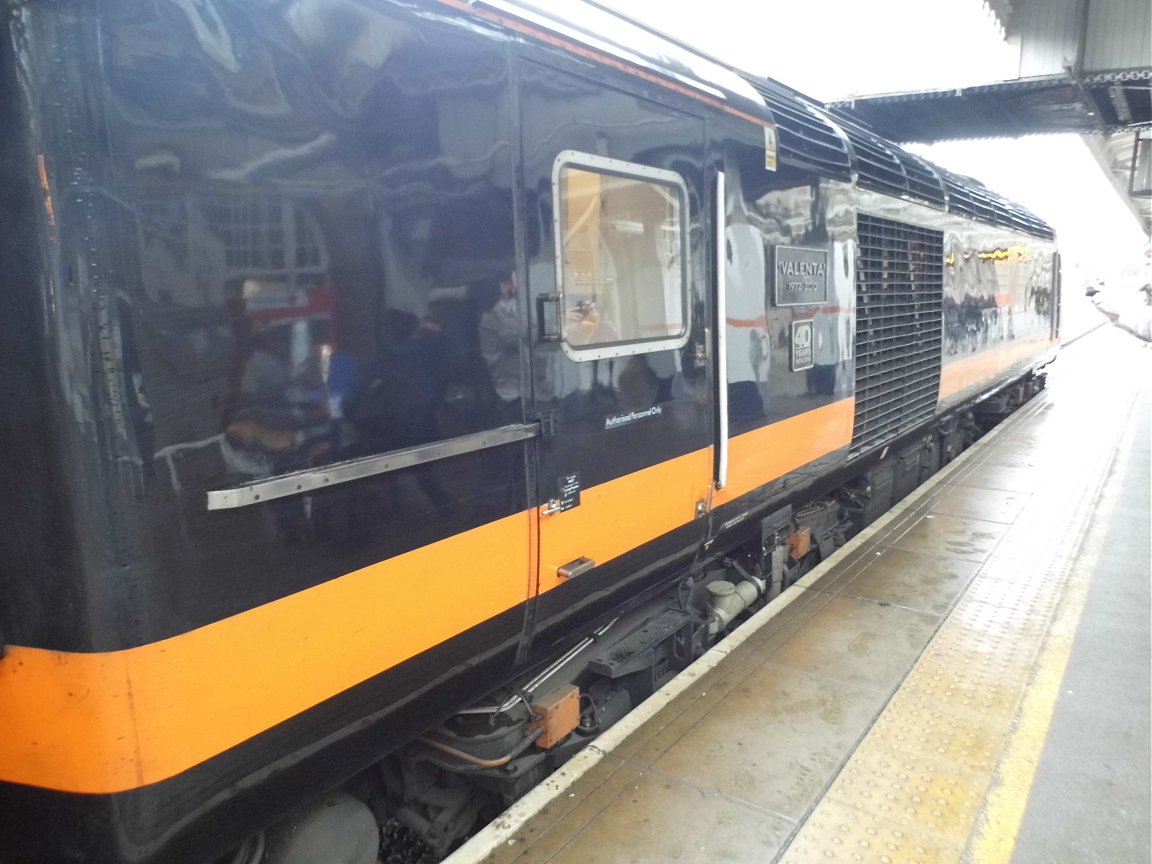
(279, 406)
(317, 330)
(622, 250)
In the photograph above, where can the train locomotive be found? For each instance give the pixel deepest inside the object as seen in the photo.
(394, 392)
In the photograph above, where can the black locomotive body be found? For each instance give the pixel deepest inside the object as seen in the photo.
(360, 357)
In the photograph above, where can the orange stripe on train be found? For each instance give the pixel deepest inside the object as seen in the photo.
(986, 367)
(109, 722)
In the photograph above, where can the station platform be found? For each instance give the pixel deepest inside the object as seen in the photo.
(966, 680)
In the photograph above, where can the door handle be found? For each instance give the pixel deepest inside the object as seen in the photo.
(544, 334)
(574, 568)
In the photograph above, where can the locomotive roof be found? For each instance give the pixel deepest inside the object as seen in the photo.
(811, 135)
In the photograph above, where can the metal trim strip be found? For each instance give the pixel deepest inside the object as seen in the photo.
(303, 482)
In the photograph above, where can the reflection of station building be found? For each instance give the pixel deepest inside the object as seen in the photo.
(235, 286)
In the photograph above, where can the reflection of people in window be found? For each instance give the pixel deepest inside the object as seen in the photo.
(587, 324)
(500, 348)
(276, 404)
(280, 409)
(638, 387)
(394, 405)
(264, 377)
(242, 341)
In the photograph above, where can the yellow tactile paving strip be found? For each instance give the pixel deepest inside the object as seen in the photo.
(945, 772)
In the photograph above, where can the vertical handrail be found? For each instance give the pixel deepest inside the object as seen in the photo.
(721, 365)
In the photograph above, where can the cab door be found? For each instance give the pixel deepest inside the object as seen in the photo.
(617, 257)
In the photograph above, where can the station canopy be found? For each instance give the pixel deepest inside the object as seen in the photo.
(1085, 68)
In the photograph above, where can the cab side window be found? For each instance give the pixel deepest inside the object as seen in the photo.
(621, 256)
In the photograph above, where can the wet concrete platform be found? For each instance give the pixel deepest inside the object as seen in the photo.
(968, 680)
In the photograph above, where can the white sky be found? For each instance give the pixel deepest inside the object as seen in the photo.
(832, 49)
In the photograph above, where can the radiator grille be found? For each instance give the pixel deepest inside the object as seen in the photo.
(899, 294)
